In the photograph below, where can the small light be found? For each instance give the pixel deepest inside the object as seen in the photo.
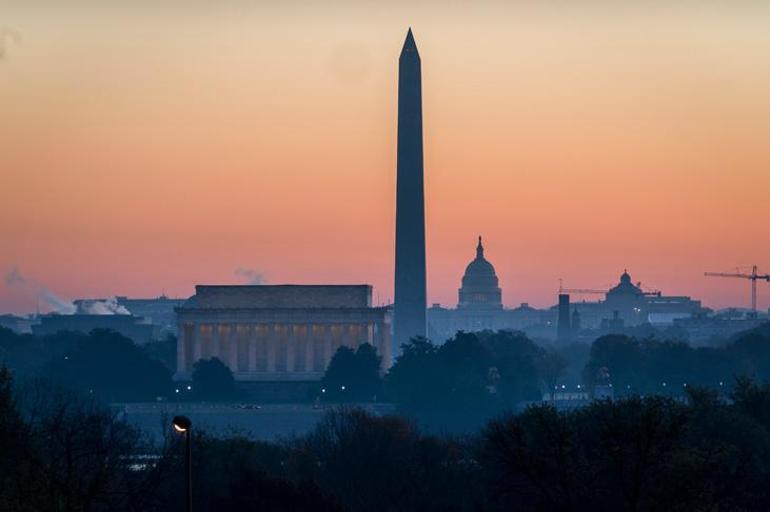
(181, 424)
(323, 390)
(176, 390)
(721, 383)
(189, 388)
(342, 388)
(664, 384)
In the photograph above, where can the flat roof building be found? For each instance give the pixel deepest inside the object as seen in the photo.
(278, 332)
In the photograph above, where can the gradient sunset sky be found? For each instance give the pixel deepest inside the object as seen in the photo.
(149, 146)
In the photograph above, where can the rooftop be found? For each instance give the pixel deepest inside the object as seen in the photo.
(282, 296)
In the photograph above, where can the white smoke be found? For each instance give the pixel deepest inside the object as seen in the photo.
(250, 276)
(15, 279)
(104, 307)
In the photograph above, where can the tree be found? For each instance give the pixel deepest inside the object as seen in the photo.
(110, 366)
(164, 351)
(78, 455)
(213, 380)
(353, 376)
(383, 464)
(14, 447)
(462, 383)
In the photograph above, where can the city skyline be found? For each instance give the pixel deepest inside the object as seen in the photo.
(137, 165)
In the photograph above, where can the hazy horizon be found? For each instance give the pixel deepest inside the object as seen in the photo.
(149, 147)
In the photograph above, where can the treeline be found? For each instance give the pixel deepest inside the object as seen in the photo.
(102, 363)
(459, 385)
(111, 367)
(653, 366)
(61, 452)
(455, 386)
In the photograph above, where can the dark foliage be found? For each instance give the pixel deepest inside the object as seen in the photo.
(458, 385)
(213, 380)
(652, 366)
(383, 464)
(634, 454)
(163, 351)
(353, 376)
(103, 363)
(111, 367)
(65, 452)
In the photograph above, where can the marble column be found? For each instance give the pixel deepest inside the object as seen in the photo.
(232, 343)
(327, 346)
(252, 344)
(291, 341)
(271, 342)
(197, 344)
(181, 354)
(310, 342)
(215, 341)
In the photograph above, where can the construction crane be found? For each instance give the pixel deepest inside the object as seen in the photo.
(581, 291)
(578, 290)
(754, 277)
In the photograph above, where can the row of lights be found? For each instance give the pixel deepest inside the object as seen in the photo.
(342, 388)
(564, 386)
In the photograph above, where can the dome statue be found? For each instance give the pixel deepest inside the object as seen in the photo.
(479, 285)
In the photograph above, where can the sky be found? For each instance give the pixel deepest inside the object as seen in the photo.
(146, 147)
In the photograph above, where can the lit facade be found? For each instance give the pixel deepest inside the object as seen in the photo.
(278, 332)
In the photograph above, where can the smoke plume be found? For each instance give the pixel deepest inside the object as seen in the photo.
(15, 279)
(250, 276)
(103, 307)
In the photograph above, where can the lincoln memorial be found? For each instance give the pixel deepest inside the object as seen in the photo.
(278, 332)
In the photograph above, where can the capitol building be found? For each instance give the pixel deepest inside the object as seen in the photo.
(479, 305)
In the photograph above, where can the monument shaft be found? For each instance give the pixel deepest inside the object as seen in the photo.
(410, 288)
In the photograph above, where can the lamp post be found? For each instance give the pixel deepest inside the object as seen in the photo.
(182, 424)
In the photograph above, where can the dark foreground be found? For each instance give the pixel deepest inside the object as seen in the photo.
(258, 422)
(60, 452)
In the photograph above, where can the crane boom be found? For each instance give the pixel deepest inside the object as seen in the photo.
(753, 277)
(580, 290)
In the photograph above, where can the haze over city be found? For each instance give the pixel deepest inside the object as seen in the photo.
(340, 256)
(146, 148)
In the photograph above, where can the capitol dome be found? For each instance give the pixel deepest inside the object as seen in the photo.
(625, 288)
(479, 285)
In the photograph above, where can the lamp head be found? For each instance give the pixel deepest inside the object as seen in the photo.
(181, 424)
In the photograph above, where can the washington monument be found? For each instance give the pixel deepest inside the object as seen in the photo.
(410, 301)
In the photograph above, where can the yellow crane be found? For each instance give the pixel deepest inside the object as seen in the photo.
(754, 277)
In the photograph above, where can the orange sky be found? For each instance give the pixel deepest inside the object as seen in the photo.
(149, 146)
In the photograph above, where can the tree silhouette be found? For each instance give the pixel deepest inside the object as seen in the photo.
(353, 376)
(212, 380)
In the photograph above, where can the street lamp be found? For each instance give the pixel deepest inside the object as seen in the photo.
(182, 424)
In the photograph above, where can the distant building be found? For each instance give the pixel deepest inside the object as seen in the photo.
(18, 324)
(627, 305)
(157, 311)
(480, 305)
(130, 326)
(278, 332)
(702, 329)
